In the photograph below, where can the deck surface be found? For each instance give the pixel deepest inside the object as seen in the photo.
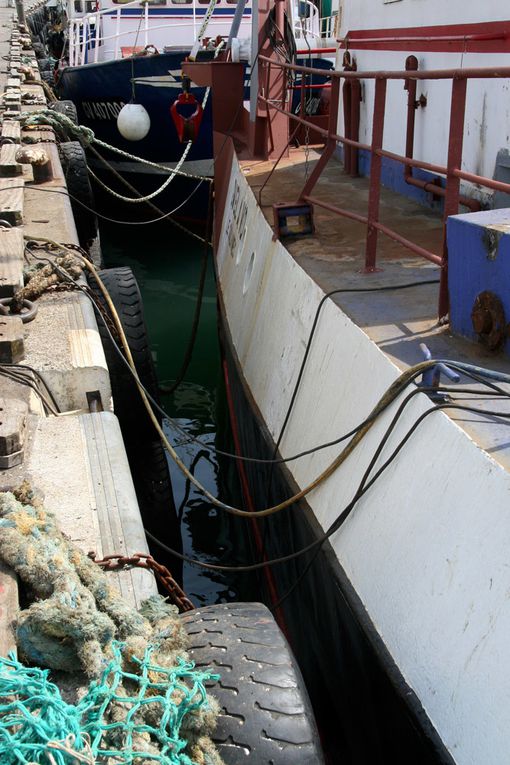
(398, 321)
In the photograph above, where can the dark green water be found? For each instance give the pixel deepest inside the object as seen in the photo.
(167, 266)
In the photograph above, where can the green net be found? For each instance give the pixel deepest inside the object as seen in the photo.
(124, 717)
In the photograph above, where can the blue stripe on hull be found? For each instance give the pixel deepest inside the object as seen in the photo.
(199, 12)
(99, 90)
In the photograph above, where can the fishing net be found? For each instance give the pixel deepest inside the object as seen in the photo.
(124, 717)
(144, 701)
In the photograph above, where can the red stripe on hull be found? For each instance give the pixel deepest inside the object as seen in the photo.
(485, 37)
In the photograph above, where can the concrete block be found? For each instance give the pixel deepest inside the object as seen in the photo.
(12, 347)
(13, 420)
(479, 263)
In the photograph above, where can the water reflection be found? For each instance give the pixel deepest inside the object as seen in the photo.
(168, 282)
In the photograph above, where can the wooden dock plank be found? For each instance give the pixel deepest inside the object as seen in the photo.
(11, 200)
(9, 167)
(11, 130)
(11, 261)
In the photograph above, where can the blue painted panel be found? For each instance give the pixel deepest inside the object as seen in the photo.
(478, 260)
(392, 177)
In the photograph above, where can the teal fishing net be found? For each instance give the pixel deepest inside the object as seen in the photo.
(124, 717)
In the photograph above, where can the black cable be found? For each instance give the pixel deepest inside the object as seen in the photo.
(159, 409)
(312, 450)
(24, 380)
(40, 377)
(363, 487)
(66, 193)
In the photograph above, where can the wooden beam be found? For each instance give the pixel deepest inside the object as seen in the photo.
(11, 200)
(11, 130)
(9, 167)
(11, 261)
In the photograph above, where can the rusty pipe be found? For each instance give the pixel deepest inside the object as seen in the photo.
(351, 92)
(419, 183)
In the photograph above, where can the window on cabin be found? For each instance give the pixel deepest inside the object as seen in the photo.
(181, 2)
(143, 2)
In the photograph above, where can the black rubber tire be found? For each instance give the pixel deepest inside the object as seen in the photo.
(266, 718)
(147, 458)
(65, 107)
(49, 77)
(38, 49)
(74, 164)
(125, 294)
(45, 65)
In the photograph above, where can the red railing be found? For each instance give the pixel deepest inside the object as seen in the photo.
(452, 170)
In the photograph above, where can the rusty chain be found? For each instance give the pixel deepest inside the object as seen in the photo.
(176, 594)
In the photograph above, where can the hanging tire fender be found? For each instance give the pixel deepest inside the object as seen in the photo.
(147, 458)
(74, 165)
(65, 107)
(266, 717)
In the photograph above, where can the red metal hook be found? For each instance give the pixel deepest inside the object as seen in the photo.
(187, 127)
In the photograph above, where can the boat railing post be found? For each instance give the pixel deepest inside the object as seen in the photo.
(71, 41)
(117, 33)
(84, 40)
(146, 18)
(78, 43)
(194, 19)
(96, 40)
(331, 143)
(454, 162)
(375, 175)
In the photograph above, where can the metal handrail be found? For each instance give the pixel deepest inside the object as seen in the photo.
(452, 170)
(96, 40)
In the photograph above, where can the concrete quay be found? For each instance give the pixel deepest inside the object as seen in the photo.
(76, 458)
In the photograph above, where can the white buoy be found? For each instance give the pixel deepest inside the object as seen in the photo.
(133, 122)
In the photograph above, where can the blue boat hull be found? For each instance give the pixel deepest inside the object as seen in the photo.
(99, 90)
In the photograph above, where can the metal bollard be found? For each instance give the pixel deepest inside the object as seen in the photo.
(40, 162)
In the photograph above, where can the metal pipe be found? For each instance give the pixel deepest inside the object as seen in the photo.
(236, 21)
(482, 181)
(330, 143)
(315, 50)
(374, 193)
(117, 34)
(454, 161)
(351, 41)
(484, 72)
(427, 254)
(410, 86)
(325, 86)
(472, 204)
(339, 210)
(420, 183)
(411, 162)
